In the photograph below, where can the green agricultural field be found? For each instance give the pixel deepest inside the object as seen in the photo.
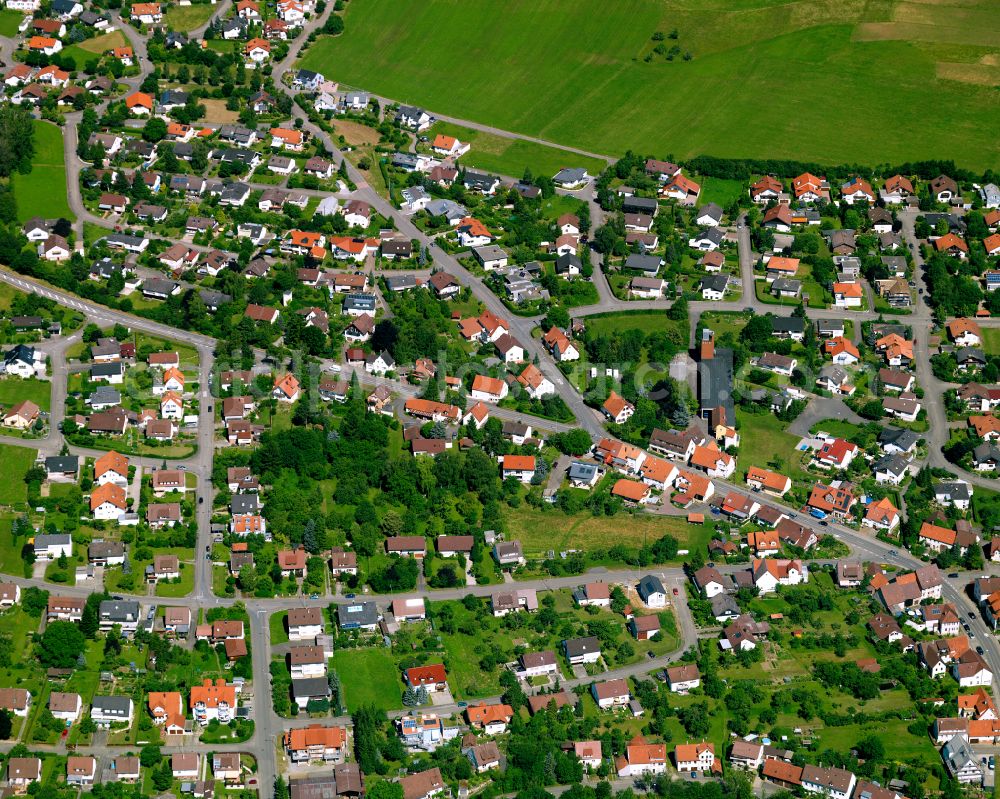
(14, 390)
(187, 18)
(587, 73)
(42, 192)
(9, 22)
(510, 157)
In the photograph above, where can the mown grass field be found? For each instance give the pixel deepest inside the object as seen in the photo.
(14, 464)
(42, 192)
(14, 390)
(93, 49)
(9, 22)
(369, 676)
(767, 78)
(187, 18)
(991, 340)
(539, 531)
(764, 438)
(648, 321)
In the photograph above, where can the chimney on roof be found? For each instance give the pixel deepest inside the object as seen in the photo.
(707, 350)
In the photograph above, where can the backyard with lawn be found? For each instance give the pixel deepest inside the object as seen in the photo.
(765, 442)
(14, 390)
(368, 676)
(991, 340)
(14, 464)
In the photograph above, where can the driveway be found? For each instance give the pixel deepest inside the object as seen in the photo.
(820, 408)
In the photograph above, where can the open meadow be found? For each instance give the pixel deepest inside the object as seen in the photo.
(766, 78)
(42, 192)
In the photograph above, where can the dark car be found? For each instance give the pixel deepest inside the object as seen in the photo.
(972, 614)
(979, 649)
(953, 575)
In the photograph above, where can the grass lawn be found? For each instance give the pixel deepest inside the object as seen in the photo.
(14, 390)
(578, 73)
(723, 323)
(539, 531)
(368, 676)
(647, 321)
(763, 437)
(108, 41)
(276, 624)
(222, 45)
(10, 550)
(188, 354)
(9, 22)
(182, 587)
(510, 157)
(42, 192)
(92, 49)
(837, 427)
(720, 191)
(900, 744)
(186, 18)
(991, 340)
(14, 464)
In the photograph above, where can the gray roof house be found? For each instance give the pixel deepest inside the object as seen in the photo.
(358, 616)
(580, 473)
(651, 587)
(571, 177)
(307, 689)
(105, 710)
(650, 264)
(62, 465)
(961, 761)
